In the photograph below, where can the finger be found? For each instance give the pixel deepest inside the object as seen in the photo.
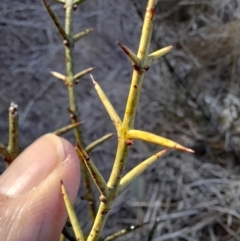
(32, 206)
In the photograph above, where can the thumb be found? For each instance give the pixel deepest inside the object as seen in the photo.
(31, 202)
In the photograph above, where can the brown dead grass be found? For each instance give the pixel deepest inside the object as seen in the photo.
(191, 95)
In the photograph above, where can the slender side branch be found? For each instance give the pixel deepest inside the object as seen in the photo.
(69, 6)
(13, 143)
(139, 71)
(80, 35)
(98, 142)
(66, 129)
(133, 57)
(72, 216)
(128, 121)
(59, 76)
(81, 74)
(60, 1)
(88, 196)
(135, 172)
(124, 231)
(77, 2)
(158, 54)
(55, 21)
(96, 175)
(149, 137)
(110, 109)
(117, 235)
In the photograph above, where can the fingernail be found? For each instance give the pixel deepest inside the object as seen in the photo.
(33, 165)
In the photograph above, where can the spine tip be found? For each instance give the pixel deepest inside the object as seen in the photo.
(94, 82)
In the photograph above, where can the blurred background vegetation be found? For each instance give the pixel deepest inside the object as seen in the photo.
(191, 96)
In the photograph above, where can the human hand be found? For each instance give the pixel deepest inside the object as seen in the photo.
(31, 202)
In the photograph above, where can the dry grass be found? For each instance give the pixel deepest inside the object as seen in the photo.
(192, 96)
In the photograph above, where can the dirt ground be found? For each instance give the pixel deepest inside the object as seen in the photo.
(191, 95)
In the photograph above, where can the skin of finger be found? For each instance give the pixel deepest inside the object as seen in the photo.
(33, 165)
(40, 214)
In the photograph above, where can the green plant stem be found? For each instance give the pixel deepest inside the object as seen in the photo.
(66, 129)
(124, 231)
(13, 143)
(128, 122)
(98, 142)
(133, 58)
(80, 35)
(139, 169)
(108, 105)
(69, 46)
(140, 71)
(59, 76)
(55, 20)
(61, 1)
(96, 175)
(149, 137)
(158, 54)
(81, 74)
(79, 1)
(72, 216)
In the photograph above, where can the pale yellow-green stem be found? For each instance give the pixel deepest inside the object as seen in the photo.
(66, 129)
(108, 106)
(116, 235)
(69, 45)
(128, 122)
(98, 142)
(61, 1)
(55, 21)
(81, 74)
(158, 54)
(149, 137)
(72, 216)
(139, 71)
(67, 36)
(13, 142)
(133, 98)
(96, 175)
(139, 169)
(80, 35)
(106, 206)
(77, 2)
(124, 231)
(59, 76)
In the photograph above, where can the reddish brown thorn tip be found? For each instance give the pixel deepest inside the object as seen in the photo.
(124, 48)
